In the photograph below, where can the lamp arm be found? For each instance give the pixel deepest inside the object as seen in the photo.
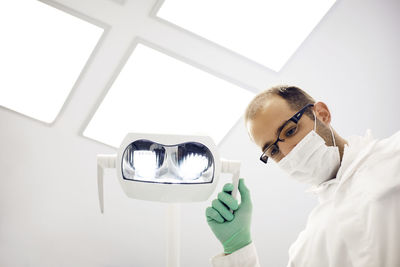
(103, 162)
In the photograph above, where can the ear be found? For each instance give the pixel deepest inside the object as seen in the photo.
(322, 112)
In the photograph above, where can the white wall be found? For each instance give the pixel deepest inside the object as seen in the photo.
(48, 200)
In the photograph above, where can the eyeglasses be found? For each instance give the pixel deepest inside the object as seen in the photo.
(286, 131)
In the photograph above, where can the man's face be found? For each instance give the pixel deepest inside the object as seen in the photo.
(263, 128)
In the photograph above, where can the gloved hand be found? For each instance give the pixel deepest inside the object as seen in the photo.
(232, 230)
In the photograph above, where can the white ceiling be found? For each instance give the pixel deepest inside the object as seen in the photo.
(49, 212)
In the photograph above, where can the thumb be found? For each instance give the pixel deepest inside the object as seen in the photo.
(244, 192)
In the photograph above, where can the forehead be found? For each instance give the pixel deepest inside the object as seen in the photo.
(268, 119)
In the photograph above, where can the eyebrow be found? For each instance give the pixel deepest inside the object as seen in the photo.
(276, 133)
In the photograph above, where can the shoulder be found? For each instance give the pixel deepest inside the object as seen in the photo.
(390, 144)
(384, 152)
(378, 173)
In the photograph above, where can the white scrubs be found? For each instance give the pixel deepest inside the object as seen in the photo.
(357, 220)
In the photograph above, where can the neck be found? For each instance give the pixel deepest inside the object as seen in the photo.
(340, 142)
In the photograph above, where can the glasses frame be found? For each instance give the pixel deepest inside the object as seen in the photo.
(295, 118)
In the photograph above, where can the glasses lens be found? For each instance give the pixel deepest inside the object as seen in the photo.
(264, 158)
(272, 151)
(288, 131)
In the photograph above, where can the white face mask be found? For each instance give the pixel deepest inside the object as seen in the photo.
(311, 160)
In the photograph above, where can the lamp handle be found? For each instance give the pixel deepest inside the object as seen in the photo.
(233, 167)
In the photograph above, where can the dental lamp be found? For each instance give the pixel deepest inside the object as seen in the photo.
(167, 168)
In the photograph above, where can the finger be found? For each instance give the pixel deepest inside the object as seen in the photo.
(222, 209)
(244, 192)
(228, 200)
(212, 214)
(228, 187)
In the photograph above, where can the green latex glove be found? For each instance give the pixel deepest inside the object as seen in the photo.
(232, 230)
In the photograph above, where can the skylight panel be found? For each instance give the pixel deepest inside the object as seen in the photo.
(43, 50)
(265, 31)
(155, 93)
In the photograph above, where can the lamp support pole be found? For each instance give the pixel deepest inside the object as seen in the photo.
(173, 235)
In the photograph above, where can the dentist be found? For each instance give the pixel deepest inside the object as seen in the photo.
(357, 181)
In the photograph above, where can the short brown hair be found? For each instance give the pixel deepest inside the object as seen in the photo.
(294, 96)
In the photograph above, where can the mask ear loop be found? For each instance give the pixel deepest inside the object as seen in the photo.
(333, 137)
(330, 127)
(315, 122)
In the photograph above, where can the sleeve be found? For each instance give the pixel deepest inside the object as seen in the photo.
(244, 257)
